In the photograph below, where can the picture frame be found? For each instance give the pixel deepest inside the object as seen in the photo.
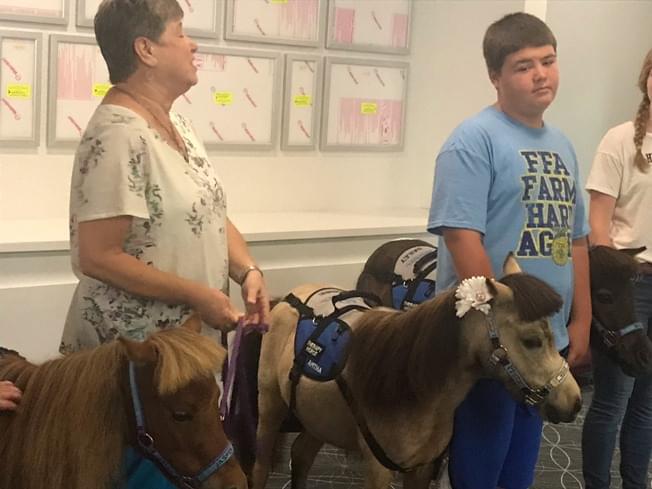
(78, 80)
(36, 11)
(202, 18)
(379, 26)
(235, 103)
(291, 22)
(301, 102)
(364, 105)
(20, 86)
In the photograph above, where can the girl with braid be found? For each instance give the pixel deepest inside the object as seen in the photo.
(620, 186)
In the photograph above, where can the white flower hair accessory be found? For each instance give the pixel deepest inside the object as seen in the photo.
(472, 293)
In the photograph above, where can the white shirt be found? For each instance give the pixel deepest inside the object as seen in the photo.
(614, 173)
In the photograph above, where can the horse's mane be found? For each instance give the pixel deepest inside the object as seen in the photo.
(533, 298)
(69, 430)
(184, 356)
(610, 266)
(414, 350)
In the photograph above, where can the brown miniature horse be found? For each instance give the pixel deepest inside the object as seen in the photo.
(407, 372)
(77, 417)
(612, 297)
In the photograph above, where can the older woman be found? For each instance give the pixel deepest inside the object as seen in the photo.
(150, 238)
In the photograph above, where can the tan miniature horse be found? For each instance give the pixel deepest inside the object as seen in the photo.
(407, 372)
(77, 416)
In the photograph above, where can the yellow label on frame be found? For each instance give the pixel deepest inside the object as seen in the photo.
(100, 89)
(19, 90)
(223, 98)
(302, 100)
(368, 108)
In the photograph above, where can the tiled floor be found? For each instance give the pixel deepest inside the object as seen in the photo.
(559, 465)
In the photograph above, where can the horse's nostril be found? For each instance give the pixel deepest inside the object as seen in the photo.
(578, 406)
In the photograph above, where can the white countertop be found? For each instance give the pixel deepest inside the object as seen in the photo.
(17, 236)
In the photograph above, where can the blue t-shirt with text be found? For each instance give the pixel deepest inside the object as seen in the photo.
(518, 187)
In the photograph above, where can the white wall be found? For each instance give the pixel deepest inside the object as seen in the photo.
(447, 83)
(601, 45)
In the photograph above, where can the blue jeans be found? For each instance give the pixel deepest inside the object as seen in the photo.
(495, 440)
(619, 398)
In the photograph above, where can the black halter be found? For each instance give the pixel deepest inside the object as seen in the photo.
(146, 445)
(531, 396)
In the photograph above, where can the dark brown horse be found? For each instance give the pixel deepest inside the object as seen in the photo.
(77, 415)
(615, 328)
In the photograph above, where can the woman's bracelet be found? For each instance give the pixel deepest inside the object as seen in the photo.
(250, 268)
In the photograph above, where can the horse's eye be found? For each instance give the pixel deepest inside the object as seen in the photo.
(181, 416)
(532, 343)
(604, 296)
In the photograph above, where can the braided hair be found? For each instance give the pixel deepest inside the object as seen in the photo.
(642, 115)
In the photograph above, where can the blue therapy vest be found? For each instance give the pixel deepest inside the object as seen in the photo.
(414, 277)
(321, 343)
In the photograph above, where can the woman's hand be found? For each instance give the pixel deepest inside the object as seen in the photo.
(256, 299)
(216, 310)
(9, 396)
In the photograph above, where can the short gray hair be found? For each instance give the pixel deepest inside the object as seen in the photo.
(119, 22)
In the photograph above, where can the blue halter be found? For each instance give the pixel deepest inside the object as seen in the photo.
(146, 444)
(611, 337)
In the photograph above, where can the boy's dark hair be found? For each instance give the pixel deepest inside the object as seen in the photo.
(511, 33)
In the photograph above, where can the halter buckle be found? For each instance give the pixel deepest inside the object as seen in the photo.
(498, 356)
(145, 441)
(189, 482)
(610, 338)
(532, 397)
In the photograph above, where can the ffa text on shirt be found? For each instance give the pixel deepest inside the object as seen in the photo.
(548, 196)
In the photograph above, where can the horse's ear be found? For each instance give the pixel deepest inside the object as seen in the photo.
(633, 251)
(139, 351)
(193, 323)
(510, 265)
(500, 292)
(491, 286)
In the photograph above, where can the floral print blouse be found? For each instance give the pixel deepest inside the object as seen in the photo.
(123, 167)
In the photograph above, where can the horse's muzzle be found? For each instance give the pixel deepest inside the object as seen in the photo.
(556, 415)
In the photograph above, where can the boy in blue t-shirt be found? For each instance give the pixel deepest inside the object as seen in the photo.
(507, 182)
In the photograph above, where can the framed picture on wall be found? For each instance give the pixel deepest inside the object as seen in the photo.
(301, 101)
(381, 26)
(235, 103)
(294, 22)
(364, 105)
(201, 18)
(20, 85)
(39, 11)
(78, 81)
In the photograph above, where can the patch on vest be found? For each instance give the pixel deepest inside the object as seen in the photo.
(416, 272)
(321, 343)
